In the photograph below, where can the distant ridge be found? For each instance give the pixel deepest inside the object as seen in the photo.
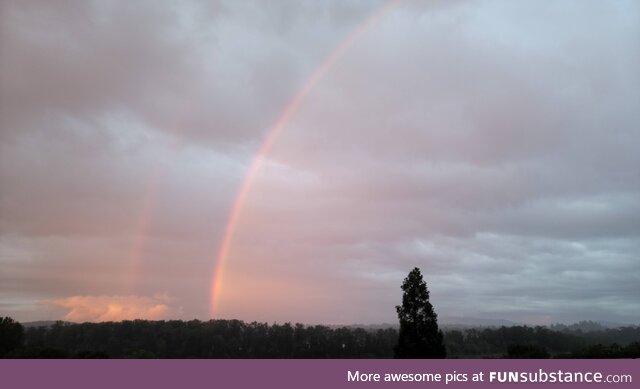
(589, 326)
(39, 323)
(448, 323)
(469, 322)
(463, 323)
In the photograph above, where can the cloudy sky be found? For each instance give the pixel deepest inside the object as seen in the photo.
(493, 144)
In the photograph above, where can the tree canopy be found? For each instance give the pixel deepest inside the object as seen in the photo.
(11, 334)
(237, 339)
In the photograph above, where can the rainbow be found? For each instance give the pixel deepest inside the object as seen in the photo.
(269, 140)
(144, 217)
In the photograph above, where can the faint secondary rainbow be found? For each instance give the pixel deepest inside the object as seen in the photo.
(270, 138)
(144, 218)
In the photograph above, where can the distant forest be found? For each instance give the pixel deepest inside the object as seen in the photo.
(237, 339)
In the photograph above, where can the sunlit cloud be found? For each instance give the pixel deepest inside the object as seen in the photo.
(115, 308)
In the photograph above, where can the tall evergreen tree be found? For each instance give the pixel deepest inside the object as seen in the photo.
(419, 335)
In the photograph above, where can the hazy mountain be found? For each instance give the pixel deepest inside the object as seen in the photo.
(588, 326)
(467, 322)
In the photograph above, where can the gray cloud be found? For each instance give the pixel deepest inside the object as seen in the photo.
(493, 145)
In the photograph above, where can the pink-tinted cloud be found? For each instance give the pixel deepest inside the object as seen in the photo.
(115, 308)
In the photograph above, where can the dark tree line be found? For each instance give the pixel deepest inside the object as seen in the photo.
(11, 335)
(236, 339)
(202, 339)
(542, 342)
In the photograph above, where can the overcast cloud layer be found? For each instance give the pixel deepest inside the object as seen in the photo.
(493, 144)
